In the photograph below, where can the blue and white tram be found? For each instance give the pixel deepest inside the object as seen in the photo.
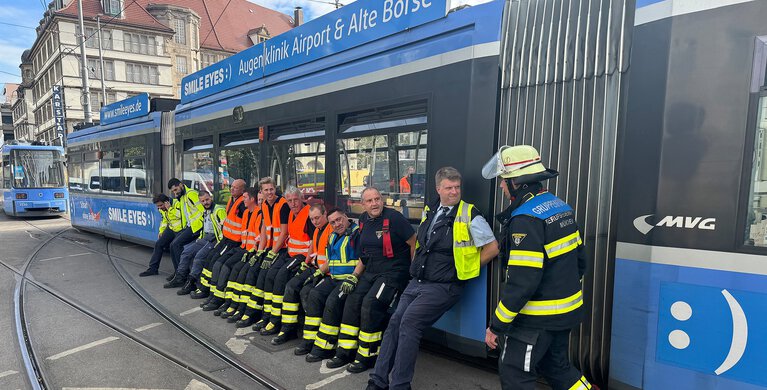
(33, 180)
(383, 93)
(116, 167)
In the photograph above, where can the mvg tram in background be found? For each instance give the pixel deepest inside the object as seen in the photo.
(33, 180)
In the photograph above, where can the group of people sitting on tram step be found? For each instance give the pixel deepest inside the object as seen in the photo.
(362, 293)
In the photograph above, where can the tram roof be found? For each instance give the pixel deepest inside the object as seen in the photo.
(142, 125)
(9, 147)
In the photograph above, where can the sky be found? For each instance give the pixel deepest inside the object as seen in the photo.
(18, 19)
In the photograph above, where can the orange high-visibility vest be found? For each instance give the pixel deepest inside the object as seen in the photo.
(298, 239)
(233, 224)
(272, 222)
(320, 244)
(253, 233)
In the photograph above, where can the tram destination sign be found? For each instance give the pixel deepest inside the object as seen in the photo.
(132, 107)
(350, 26)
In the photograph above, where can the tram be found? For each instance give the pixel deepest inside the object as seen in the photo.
(115, 168)
(33, 180)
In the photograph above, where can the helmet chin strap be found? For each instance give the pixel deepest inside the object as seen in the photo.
(522, 193)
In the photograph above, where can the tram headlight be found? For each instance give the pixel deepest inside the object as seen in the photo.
(21, 195)
(58, 195)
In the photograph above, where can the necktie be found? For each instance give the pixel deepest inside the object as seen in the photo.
(440, 214)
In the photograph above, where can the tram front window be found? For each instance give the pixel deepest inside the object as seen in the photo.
(37, 169)
(395, 164)
(301, 165)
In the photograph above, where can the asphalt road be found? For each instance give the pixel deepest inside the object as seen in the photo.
(80, 352)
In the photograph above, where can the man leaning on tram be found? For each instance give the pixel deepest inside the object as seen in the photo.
(453, 242)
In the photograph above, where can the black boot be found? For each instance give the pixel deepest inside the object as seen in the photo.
(177, 282)
(171, 276)
(230, 310)
(148, 272)
(235, 317)
(303, 349)
(260, 325)
(202, 292)
(222, 308)
(283, 338)
(336, 362)
(213, 304)
(245, 321)
(187, 288)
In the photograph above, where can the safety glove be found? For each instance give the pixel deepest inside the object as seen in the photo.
(303, 266)
(349, 284)
(253, 259)
(315, 278)
(268, 260)
(246, 257)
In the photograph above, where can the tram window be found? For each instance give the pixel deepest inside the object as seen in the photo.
(395, 164)
(756, 221)
(240, 163)
(134, 177)
(6, 171)
(75, 170)
(91, 174)
(301, 165)
(198, 171)
(111, 177)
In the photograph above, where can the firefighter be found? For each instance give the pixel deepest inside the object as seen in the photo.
(453, 242)
(274, 239)
(387, 243)
(242, 278)
(300, 230)
(329, 295)
(298, 288)
(188, 201)
(232, 231)
(213, 217)
(541, 300)
(169, 227)
(222, 269)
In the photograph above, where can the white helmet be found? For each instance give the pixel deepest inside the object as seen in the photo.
(513, 161)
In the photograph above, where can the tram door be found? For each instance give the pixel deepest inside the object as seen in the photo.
(298, 158)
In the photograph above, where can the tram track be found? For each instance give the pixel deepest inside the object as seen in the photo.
(33, 365)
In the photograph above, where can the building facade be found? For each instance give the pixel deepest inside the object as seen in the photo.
(147, 46)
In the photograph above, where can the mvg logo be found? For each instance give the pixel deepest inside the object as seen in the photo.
(640, 223)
